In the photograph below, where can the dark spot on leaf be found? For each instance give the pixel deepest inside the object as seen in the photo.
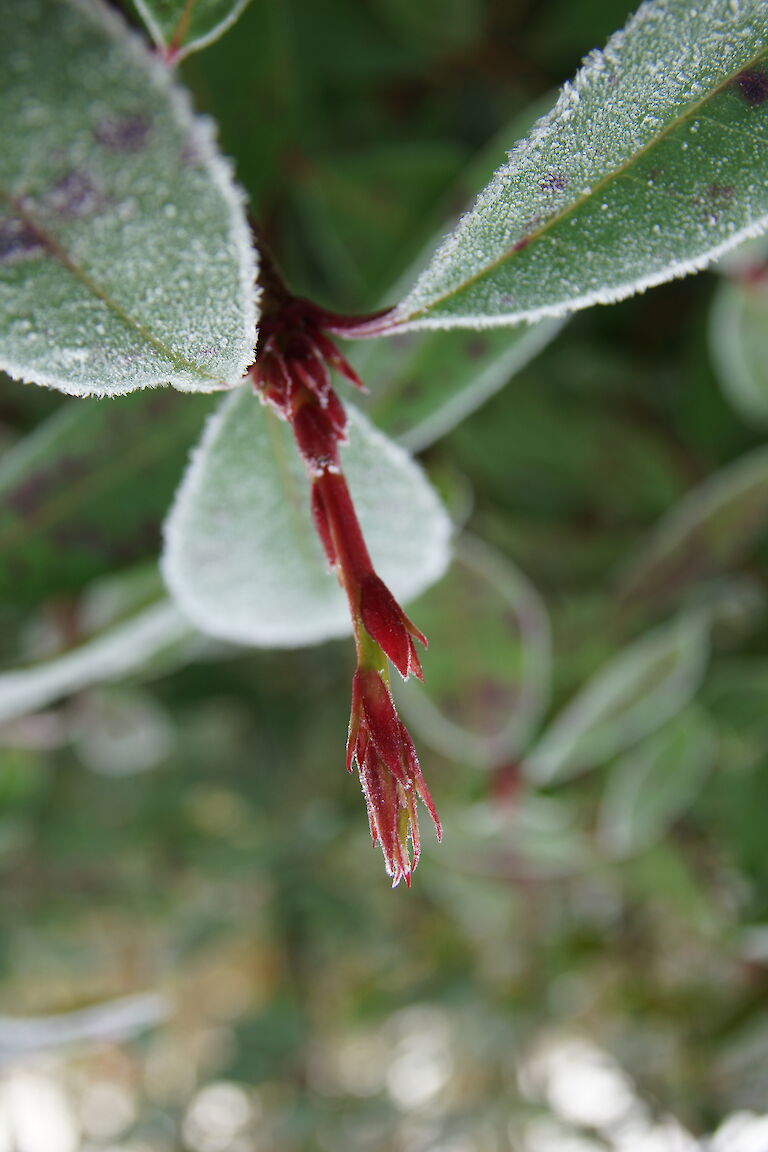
(721, 193)
(476, 348)
(753, 86)
(128, 133)
(520, 244)
(554, 182)
(191, 155)
(75, 197)
(18, 241)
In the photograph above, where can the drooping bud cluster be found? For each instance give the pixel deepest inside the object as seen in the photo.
(292, 374)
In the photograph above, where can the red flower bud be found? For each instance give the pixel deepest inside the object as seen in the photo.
(390, 774)
(388, 625)
(317, 439)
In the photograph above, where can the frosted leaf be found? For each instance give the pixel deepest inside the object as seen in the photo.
(241, 557)
(125, 258)
(630, 697)
(125, 648)
(739, 336)
(481, 713)
(652, 785)
(184, 26)
(652, 163)
(711, 528)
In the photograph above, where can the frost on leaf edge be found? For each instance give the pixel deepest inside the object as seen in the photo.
(202, 131)
(405, 317)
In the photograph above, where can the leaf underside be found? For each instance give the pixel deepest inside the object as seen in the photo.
(183, 26)
(241, 557)
(652, 162)
(125, 258)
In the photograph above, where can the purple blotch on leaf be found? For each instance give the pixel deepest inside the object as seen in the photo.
(18, 241)
(75, 196)
(753, 86)
(554, 182)
(128, 133)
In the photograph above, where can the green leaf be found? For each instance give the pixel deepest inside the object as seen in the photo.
(112, 655)
(739, 335)
(487, 669)
(651, 786)
(708, 532)
(87, 491)
(423, 384)
(125, 258)
(631, 696)
(652, 163)
(184, 26)
(241, 556)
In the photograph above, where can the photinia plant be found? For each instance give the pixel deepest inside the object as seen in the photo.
(128, 262)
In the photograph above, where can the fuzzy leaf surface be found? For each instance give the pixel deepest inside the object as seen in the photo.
(125, 258)
(241, 557)
(184, 26)
(653, 161)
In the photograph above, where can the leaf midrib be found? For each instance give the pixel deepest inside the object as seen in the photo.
(614, 174)
(58, 251)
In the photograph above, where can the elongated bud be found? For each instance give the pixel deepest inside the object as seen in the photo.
(385, 621)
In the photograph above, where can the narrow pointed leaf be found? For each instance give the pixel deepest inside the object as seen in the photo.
(183, 26)
(125, 259)
(87, 491)
(739, 334)
(422, 384)
(127, 647)
(630, 697)
(652, 162)
(241, 557)
(710, 530)
(652, 785)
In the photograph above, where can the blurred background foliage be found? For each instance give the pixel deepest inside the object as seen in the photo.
(198, 947)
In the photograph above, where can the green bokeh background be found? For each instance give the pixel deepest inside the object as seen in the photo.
(234, 872)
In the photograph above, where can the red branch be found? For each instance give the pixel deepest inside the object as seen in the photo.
(292, 374)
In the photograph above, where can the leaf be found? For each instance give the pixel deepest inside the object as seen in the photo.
(241, 557)
(738, 334)
(487, 670)
(651, 786)
(108, 1022)
(423, 384)
(631, 696)
(184, 26)
(125, 258)
(709, 530)
(112, 655)
(652, 163)
(86, 492)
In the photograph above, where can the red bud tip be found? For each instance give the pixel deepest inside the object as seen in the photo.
(387, 624)
(390, 775)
